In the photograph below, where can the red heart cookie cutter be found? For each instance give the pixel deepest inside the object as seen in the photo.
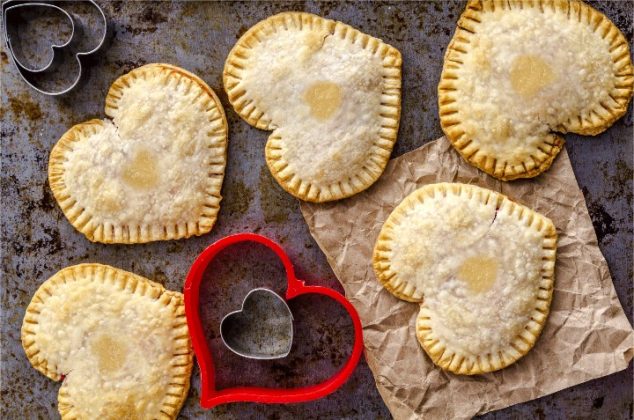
(210, 396)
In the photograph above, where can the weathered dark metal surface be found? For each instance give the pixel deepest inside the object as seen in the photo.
(37, 240)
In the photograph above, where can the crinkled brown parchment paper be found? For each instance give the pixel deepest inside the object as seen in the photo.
(587, 334)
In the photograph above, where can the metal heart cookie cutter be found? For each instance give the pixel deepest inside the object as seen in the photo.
(237, 330)
(11, 12)
(262, 329)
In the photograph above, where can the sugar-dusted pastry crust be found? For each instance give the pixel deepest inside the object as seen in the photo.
(482, 268)
(516, 72)
(118, 341)
(153, 172)
(330, 94)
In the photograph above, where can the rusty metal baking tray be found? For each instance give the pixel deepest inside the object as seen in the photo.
(37, 240)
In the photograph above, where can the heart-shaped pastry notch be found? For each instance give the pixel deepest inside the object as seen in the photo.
(209, 395)
(330, 94)
(518, 72)
(118, 342)
(482, 268)
(262, 329)
(153, 172)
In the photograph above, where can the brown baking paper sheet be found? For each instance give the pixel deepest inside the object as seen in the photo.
(587, 334)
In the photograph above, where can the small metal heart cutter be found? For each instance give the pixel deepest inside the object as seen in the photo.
(262, 329)
(12, 14)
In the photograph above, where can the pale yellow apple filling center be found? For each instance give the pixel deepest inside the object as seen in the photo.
(110, 353)
(530, 74)
(479, 273)
(324, 99)
(141, 172)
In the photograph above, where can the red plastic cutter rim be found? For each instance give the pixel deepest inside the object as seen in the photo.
(210, 396)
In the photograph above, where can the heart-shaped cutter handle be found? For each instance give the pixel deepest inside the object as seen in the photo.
(210, 396)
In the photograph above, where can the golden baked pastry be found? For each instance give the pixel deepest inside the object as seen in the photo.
(154, 171)
(482, 268)
(517, 72)
(330, 94)
(118, 342)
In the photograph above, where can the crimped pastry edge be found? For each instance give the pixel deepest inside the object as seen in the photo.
(390, 106)
(125, 234)
(443, 357)
(600, 118)
(125, 282)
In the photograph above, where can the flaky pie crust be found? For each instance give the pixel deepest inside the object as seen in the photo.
(114, 282)
(441, 353)
(524, 164)
(389, 113)
(108, 232)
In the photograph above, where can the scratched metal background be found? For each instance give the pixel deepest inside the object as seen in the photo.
(37, 240)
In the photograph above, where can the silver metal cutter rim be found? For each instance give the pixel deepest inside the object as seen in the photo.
(22, 69)
(251, 356)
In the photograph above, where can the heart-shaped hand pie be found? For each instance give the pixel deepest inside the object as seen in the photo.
(517, 72)
(262, 329)
(209, 395)
(118, 341)
(331, 95)
(482, 268)
(152, 173)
